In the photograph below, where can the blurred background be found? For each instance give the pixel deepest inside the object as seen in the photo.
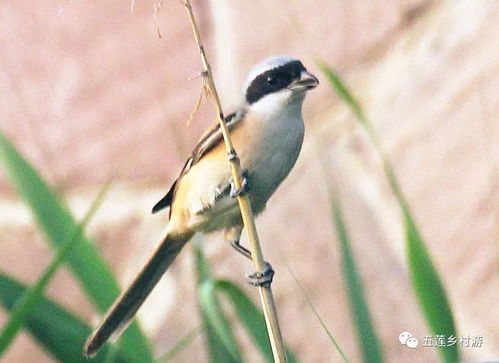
(99, 90)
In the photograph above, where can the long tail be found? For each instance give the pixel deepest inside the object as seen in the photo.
(124, 308)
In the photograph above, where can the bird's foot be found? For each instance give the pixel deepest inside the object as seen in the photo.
(263, 278)
(245, 187)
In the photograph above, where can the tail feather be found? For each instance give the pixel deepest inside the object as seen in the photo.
(124, 308)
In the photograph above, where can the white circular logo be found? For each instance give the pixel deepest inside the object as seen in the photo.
(404, 336)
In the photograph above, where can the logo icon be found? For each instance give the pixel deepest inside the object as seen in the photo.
(408, 340)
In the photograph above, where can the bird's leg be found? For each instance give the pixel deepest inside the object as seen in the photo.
(245, 187)
(256, 278)
(233, 235)
(241, 249)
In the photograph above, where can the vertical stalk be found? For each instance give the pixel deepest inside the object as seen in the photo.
(266, 296)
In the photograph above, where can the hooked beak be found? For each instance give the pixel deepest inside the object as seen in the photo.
(307, 81)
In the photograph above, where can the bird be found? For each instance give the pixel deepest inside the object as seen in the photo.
(267, 130)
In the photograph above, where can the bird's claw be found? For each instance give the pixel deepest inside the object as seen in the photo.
(263, 278)
(245, 187)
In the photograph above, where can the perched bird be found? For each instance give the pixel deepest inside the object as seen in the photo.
(267, 132)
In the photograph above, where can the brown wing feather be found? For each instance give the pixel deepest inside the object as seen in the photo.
(208, 141)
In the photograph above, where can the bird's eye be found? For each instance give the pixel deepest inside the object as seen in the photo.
(271, 80)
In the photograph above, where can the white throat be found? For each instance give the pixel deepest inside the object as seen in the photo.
(283, 105)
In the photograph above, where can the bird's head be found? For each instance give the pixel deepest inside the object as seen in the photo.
(277, 82)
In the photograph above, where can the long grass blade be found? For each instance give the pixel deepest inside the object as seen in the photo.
(249, 316)
(32, 296)
(347, 97)
(430, 290)
(59, 332)
(180, 345)
(84, 260)
(319, 318)
(218, 351)
(424, 275)
(210, 305)
(366, 334)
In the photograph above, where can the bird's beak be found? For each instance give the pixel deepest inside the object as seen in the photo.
(307, 81)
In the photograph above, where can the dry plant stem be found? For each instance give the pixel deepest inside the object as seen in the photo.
(266, 297)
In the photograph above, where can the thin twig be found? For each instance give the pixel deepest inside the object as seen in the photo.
(266, 297)
(317, 315)
(195, 109)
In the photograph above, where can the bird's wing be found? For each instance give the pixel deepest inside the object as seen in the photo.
(210, 139)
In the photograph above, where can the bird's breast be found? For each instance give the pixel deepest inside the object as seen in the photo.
(269, 153)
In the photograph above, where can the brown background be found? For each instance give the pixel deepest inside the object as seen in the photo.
(90, 91)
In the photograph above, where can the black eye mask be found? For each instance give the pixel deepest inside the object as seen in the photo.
(273, 80)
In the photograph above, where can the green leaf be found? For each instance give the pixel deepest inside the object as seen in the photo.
(28, 301)
(58, 331)
(210, 305)
(57, 223)
(218, 351)
(343, 92)
(222, 344)
(249, 316)
(425, 279)
(430, 290)
(366, 334)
